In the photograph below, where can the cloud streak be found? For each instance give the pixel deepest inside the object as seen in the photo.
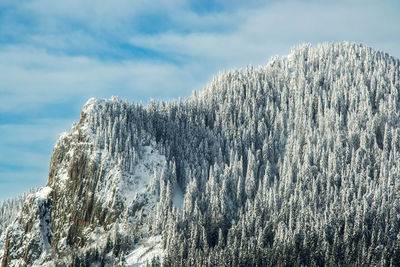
(274, 28)
(35, 77)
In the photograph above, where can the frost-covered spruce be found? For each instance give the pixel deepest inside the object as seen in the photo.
(295, 163)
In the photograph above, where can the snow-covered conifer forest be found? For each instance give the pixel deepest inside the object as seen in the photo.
(296, 163)
(9, 210)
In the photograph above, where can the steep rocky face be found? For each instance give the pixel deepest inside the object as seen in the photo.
(85, 199)
(74, 178)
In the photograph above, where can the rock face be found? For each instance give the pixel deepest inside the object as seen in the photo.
(291, 164)
(90, 194)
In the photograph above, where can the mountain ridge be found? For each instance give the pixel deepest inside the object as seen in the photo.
(288, 164)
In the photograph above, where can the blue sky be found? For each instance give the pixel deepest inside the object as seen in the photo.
(54, 55)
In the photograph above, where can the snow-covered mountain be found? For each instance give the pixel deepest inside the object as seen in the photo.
(295, 163)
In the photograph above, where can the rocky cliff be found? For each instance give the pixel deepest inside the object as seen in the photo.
(95, 195)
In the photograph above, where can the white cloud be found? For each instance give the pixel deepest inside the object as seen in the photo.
(96, 15)
(35, 77)
(270, 30)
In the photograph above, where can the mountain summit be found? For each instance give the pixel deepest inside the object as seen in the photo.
(295, 163)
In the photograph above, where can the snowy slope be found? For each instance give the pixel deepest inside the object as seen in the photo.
(145, 251)
(294, 163)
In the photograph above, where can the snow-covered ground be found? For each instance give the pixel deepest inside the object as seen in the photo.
(145, 252)
(43, 192)
(135, 188)
(130, 186)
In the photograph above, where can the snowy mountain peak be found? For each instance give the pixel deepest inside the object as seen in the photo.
(290, 164)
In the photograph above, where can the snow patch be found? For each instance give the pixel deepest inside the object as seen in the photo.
(145, 252)
(138, 182)
(43, 192)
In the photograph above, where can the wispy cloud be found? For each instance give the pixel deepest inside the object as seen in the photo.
(272, 29)
(35, 77)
